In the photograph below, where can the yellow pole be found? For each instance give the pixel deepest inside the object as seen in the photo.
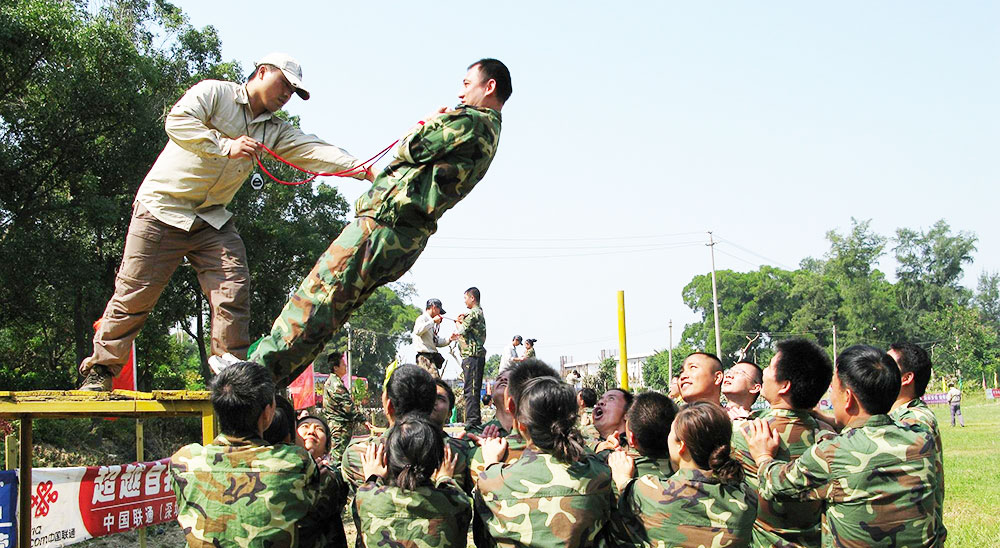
(140, 455)
(623, 367)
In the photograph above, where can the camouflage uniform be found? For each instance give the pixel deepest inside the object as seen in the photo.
(586, 417)
(590, 435)
(324, 527)
(478, 428)
(543, 502)
(784, 523)
(437, 165)
(240, 491)
(471, 346)
(427, 517)
(691, 508)
(341, 417)
(876, 477)
(644, 465)
(916, 413)
(477, 464)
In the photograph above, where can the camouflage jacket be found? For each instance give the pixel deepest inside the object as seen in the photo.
(351, 468)
(318, 529)
(427, 517)
(240, 491)
(478, 428)
(477, 465)
(644, 465)
(783, 522)
(586, 417)
(472, 341)
(876, 477)
(543, 502)
(916, 413)
(340, 414)
(437, 164)
(691, 508)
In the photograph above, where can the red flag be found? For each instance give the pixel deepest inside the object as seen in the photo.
(303, 389)
(126, 379)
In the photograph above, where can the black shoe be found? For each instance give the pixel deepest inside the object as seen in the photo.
(98, 380)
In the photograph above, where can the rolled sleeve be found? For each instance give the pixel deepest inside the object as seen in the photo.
(187, 122)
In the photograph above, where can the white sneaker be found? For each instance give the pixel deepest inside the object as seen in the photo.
(218, 363)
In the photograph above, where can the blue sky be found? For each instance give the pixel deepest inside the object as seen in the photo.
(635, 128)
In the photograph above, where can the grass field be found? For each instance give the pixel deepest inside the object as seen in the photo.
(972, 472)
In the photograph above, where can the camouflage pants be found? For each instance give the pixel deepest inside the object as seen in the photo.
(365, 256)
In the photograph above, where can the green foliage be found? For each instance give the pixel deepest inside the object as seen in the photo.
(926, 304)
(82, 101)
(492, 367)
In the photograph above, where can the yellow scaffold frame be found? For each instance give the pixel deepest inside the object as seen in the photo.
(57, 404)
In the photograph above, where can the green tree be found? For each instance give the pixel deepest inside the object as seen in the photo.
(81, 100)
(492, 366)
(988, 298)
(930, 270)
(961, 342)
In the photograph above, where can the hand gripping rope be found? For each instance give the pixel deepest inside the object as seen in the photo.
(360, 168)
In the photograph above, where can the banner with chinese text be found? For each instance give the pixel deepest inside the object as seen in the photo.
(70, 505)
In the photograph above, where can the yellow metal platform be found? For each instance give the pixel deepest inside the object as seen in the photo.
(61, 404)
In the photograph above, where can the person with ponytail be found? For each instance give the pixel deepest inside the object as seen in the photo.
(704, 503)
(410, 497)
(556, 494)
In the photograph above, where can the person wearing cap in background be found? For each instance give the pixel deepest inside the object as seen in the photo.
(510, 353)
(214, 131)
(426, 340)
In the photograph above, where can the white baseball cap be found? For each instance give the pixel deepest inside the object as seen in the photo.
(289, 67)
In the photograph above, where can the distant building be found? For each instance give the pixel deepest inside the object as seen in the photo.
(635, 364)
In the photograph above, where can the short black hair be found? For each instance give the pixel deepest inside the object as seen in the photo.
(626, 395)
(807, 367)
(872, 375)
(283, 425)
(758, 374)
(411, 389)
(522, 372)
(240, 393)
(589, 396)
(914, 359)
(474, 291)
(718, 362)
(493, 69)
(447, 390)
(649, 418)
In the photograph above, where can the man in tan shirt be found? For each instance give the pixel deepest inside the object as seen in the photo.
(180, 208)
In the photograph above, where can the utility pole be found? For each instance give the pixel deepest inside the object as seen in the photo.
(350, 379)
(715, 297)
(835, 342)
(670, 350)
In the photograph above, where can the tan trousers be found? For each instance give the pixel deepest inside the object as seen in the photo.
(153, 250)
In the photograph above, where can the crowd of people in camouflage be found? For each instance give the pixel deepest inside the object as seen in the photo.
(649, 470)
(698, 466)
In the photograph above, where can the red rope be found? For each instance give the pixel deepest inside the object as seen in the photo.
(360, 168)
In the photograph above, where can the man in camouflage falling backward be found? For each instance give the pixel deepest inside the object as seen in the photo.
(438, 163)
(240, 491)
(876, 478)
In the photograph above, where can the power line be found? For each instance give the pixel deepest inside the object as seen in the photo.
(651, 246)
(754, 253)
(509, 257)
(580, 239)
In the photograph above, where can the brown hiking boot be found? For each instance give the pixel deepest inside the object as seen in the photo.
(98, 380)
